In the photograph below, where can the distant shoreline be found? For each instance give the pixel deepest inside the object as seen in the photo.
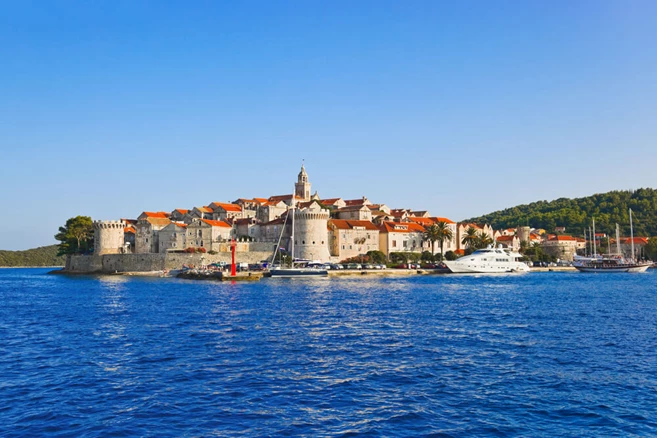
(12, 267)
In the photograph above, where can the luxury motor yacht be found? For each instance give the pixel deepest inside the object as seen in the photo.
(489, 261)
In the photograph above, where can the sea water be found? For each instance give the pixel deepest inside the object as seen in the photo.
(542, 354)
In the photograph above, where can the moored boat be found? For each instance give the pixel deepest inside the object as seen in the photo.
(489, 261)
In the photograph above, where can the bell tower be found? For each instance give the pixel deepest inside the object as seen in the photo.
(302, 186)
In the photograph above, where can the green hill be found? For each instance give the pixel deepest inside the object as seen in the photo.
(42, 256)
(576, 214)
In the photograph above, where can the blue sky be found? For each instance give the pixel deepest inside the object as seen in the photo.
(108, 109)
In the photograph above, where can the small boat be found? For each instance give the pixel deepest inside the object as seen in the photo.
(489, 261)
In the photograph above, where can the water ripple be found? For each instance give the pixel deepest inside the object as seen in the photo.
(543, 354)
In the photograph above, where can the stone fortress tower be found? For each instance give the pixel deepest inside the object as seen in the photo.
(310, 224)
(311, 233)
(108, 237)
(523, 233)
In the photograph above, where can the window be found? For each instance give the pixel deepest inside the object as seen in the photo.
(394, 244)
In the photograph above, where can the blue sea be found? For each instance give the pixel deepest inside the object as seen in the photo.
(543, 354)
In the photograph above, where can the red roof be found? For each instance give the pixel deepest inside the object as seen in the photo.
(352, 202)
(226, 206)
(342, 224)
(443, 219)
(637, 240)
(425, 221)
(460, 252)
(330, 201)
(129, 229)
(181, 225)
(563, 238)
(401, 227)
(505, 238)
(204, 209)
(216, 223)
(156, 214)
(181, 210)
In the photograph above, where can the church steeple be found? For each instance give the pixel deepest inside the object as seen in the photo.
(302, 187)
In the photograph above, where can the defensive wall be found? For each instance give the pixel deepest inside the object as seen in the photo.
(112, 263)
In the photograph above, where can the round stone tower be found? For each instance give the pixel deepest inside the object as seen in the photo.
(108, 237)
(523, 233)
(311, 233)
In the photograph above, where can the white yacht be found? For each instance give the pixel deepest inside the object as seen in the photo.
(489, 261)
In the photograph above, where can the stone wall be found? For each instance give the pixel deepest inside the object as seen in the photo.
(112, 263)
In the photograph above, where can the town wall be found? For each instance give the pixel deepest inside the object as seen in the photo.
(112, 263)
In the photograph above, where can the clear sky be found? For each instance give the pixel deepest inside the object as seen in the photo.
(461, 108)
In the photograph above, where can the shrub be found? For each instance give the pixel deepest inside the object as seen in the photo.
(212, 252)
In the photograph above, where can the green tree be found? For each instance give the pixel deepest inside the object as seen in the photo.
(377, 257)
(483, 240)
(651, 249)
(451, 255)
(431, 234)
(76, 236)
(470, 238)
(444, 234)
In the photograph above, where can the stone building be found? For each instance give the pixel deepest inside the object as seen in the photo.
(561, 247)
(311, 233)
(108, 237)
(302, 186)
(351, 238)
(355, 212)
(178, 215)
(401, 237)
(147, 238)
(271, 210)
(205, 233)
(222, 211)
(173, 237)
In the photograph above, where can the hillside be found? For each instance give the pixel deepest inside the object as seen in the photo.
(576, 214)
(42, 256)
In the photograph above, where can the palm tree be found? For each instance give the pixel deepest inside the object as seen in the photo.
(483, 240)
(470, 238)
(444, 234)
(432, 233)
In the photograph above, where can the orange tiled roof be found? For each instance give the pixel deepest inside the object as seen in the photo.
(204, 209)
(181, 210)
(278, 198)
(443, 219)
(637, 240)
(156, 214)
(505, 238)
(425, 221)
(330, 201)
(180, 224)
(342, 224)
(226, 206)
(352, 202)
(129, 229)
(158, 220)
(459, 252)
(216, 223)
(562, 238)
(405, 227)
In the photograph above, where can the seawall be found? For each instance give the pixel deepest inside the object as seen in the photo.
(112, 263)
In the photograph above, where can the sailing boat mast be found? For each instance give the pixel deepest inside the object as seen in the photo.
(292, 234)
(594, 248)
(618, 250)
(632, 235)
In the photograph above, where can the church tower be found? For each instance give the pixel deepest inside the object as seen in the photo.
(302, 187)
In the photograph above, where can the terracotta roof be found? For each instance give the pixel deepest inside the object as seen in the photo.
(180, 224)
(130, 221)
(351, 208)
(330, 201)
(637, 240)
(216, 223)
(425, 221)
(158, 220)
(181, 210)
(246, 220)
(129, 229)
(157, 214)
(282, 198)
(505, 238)
(352, 202)
(563, 238)
(204, 209)
(459, 252)
(475, 226)
(226, 206)
(349, 224)
(397, 227)
(260, 200)
(443, 219)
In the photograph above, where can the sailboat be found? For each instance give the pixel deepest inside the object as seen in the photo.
(293, 271)
(614, 262)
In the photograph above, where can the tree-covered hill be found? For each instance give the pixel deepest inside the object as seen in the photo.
(42, 256)
(576, 214)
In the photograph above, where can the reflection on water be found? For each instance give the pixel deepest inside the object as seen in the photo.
(535, 355)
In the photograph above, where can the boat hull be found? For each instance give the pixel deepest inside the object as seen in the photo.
(460, 268)
(297, 273)
(612, 269)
